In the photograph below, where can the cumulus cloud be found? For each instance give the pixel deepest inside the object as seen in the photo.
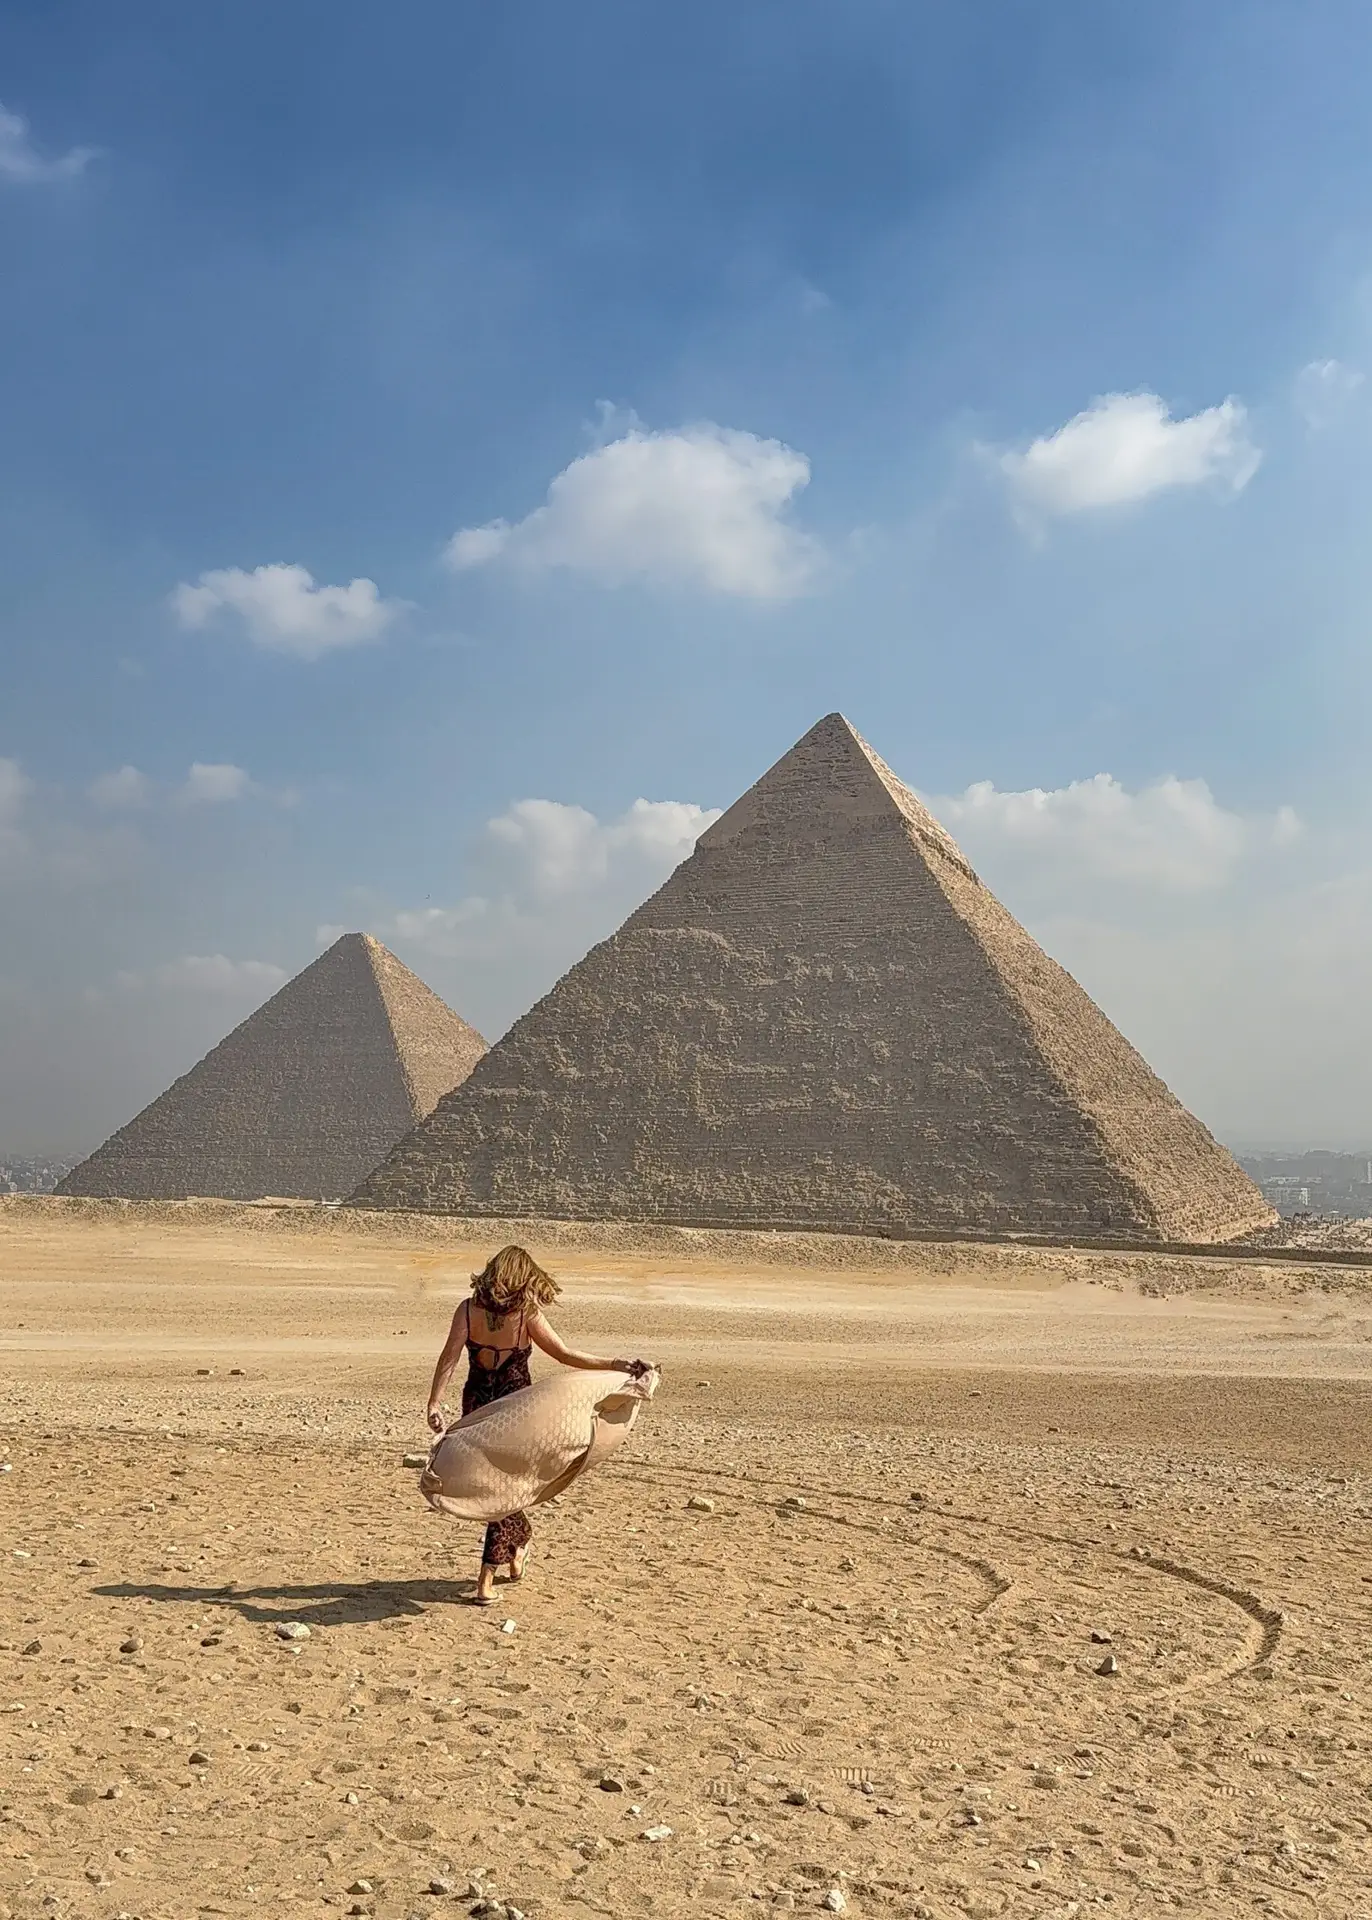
(1324, 389)
(212, 784)
(211, 974)
(283, 610)
(1173, 834)
(15, 787)
(547, 880)
(22, 164)
(1127, 446)
(125, 787)
(702, 506)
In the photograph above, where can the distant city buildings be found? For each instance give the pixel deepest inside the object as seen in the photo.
(1330, 1185)
(33, 1176)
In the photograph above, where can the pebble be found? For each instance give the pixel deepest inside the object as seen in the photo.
(1109, 1665)
(797, 1797)
(793, 1503)
(292, 1630)
(199, 1758)
(784, 1898)
(361, 1886)
(414, 1460)
(699, 1504)
(441, 1886)
(611, 1783)
(657, 1833)
(235, 1373)
(133, 1645)
(350, 1800)
(508, 1626)
(34, 1646)
(835, 1901)
(1100, 1639)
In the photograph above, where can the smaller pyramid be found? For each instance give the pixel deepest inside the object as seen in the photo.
(304, 1098)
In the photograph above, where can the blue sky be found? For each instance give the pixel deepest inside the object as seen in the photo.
(995, 375)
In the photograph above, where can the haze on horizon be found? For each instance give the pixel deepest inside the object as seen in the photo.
(450, 455)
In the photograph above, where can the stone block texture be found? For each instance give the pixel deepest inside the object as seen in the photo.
(823, 1020)
(304, 1098)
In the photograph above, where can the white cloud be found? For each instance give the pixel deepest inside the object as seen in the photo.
(23, 165)
(204, 973)
(1173, 834)
(700, 507)
(1323, 391)
(549, 880)
(213, 784)
(284, 611)
(1127, 446)
(15, 787)
(216, 973)
(126, 787)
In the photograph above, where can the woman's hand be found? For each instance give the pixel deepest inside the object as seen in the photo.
(636, 1367)
(436, 1420)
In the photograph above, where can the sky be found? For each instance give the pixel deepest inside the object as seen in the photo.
(449, 452)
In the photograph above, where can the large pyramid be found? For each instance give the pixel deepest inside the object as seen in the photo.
(823, 1020)
(301, 1100)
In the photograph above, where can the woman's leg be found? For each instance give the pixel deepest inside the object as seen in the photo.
(507, 1544)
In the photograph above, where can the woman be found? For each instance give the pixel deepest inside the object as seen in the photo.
(499, 1327)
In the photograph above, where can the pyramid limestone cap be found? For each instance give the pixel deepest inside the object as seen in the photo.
(831, 770)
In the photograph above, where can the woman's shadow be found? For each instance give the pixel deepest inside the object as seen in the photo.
(330, 1603)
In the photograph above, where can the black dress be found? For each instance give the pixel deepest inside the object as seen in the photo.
(504, 1538)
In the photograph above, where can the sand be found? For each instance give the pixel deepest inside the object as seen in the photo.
(859, 1674)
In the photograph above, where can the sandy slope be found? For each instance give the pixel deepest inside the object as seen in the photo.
(885, 1696)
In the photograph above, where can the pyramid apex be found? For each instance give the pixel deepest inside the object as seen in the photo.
(832, 770)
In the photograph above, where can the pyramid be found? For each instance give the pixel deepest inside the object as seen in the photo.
(301, 1100)
(824, 1021)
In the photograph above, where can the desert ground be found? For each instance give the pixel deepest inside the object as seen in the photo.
(937, 1581)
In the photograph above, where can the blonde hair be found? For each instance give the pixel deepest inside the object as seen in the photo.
(511, 1281)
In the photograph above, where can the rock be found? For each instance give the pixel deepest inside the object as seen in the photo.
(699, 1504)
(699, 1383)
(34, 1646)
(835, 1901)
(199, 1758)
(350, 1800)
(235, 1373)
(134, 1645)
(204, 1372)
(441, 1886)
(1100, 1639)
(509, 1626)
(610, 1783)
(82, 1797)
(784, 1898)
(258, 1746)
(414, 1460)
(87, 1563)
(797, 1797)
(292, 1630)
(793, 1503)
(847, 1564)
(361, 1886)
(657, 1833)
(1108, 1665)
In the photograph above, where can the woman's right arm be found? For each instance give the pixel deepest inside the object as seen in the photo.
(542, 1335)
(447, 1361)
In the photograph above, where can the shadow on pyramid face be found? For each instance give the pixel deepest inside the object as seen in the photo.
(330, 1603)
